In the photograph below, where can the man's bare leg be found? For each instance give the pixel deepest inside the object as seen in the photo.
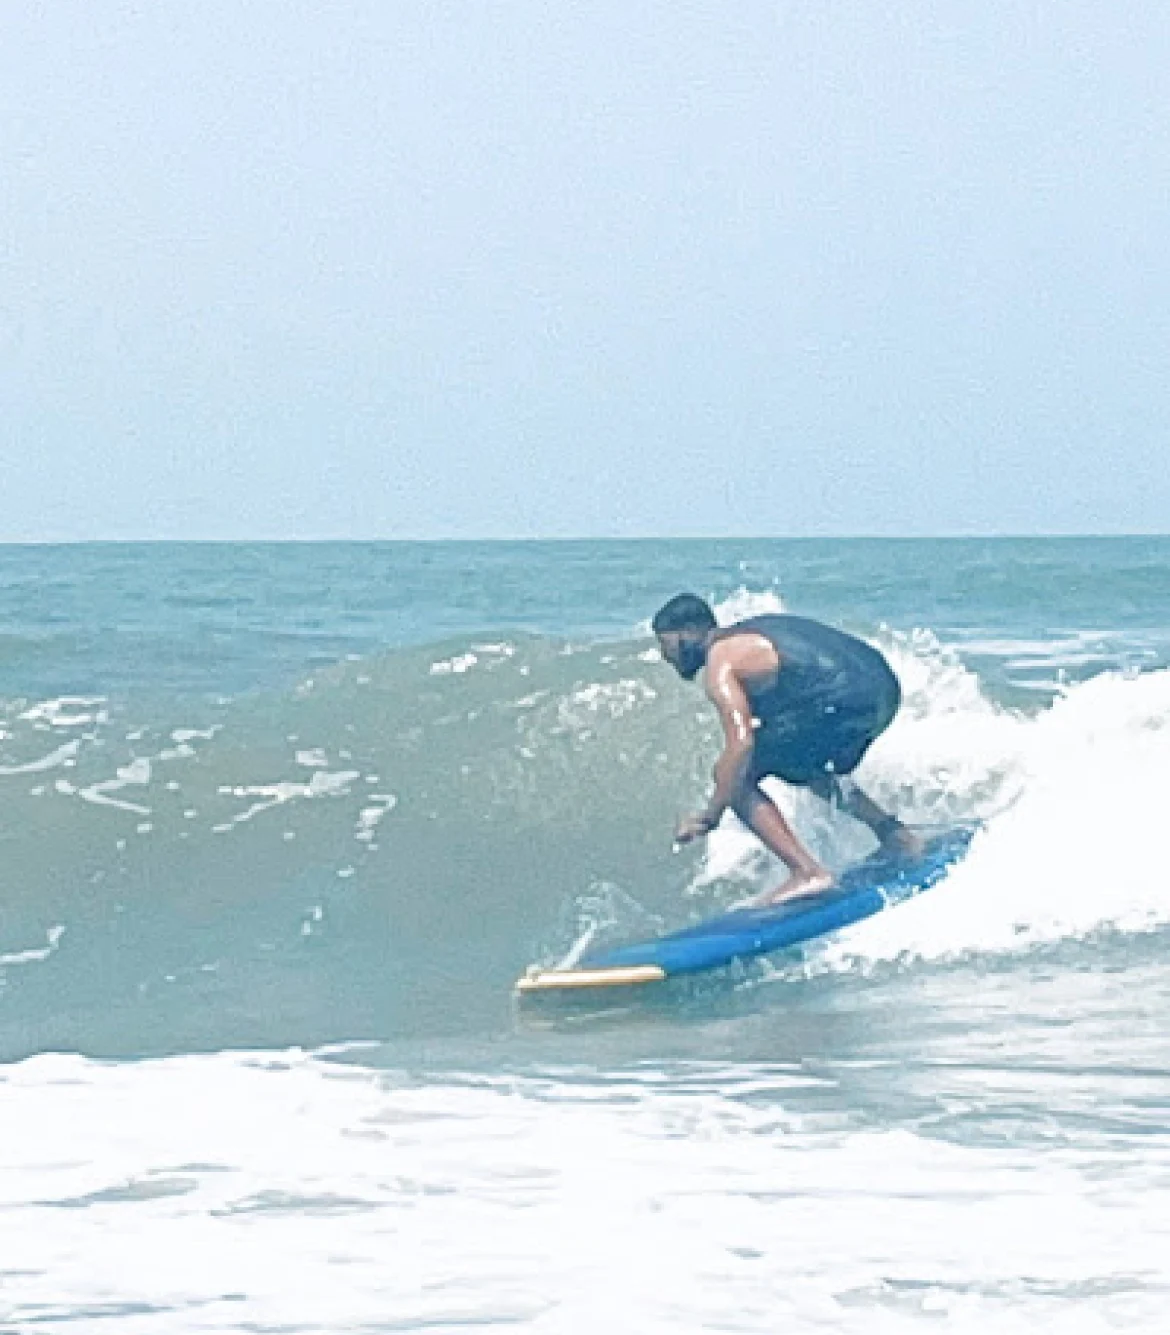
(889, 830)
(766, 821)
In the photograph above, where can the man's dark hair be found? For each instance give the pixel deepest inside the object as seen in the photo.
(685, 611)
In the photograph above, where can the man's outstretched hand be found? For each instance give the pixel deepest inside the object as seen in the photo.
(694, 827)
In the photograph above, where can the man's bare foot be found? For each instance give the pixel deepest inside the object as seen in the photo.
(800, 885)
(904, 843)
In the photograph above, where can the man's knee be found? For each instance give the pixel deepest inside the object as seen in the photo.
(746, 799)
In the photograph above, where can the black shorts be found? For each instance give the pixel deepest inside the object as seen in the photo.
(825, 740)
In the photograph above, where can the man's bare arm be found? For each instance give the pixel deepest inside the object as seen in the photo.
(727, 693)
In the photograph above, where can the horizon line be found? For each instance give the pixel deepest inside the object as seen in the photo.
(1059, 535)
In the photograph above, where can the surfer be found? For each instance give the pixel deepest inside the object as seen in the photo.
(798, 700)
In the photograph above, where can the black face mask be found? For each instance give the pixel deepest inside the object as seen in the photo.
(691, 657)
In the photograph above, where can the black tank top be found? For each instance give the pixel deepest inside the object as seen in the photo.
(820, 668)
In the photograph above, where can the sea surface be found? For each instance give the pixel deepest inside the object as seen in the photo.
(280, 825)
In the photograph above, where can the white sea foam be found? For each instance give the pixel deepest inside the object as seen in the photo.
(745, 602)
(64, 755)
(608, 699)
(1079, 849)
(487, 655)
(1072, 798)
(275, 1192)
(184, 735)
(322, 784)
(370, 817)
(457, 664)
(68, 711)
(36, 954)
(137, 773)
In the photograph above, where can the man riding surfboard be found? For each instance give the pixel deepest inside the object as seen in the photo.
(797, 699)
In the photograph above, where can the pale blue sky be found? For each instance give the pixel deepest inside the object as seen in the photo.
(477, 269)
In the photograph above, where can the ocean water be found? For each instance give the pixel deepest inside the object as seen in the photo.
(280, 826)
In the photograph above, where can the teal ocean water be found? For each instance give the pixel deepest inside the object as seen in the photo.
(281, 824)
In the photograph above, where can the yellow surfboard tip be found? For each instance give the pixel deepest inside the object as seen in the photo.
(567, 980)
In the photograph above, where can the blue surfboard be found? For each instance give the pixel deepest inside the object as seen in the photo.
(877, 883)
